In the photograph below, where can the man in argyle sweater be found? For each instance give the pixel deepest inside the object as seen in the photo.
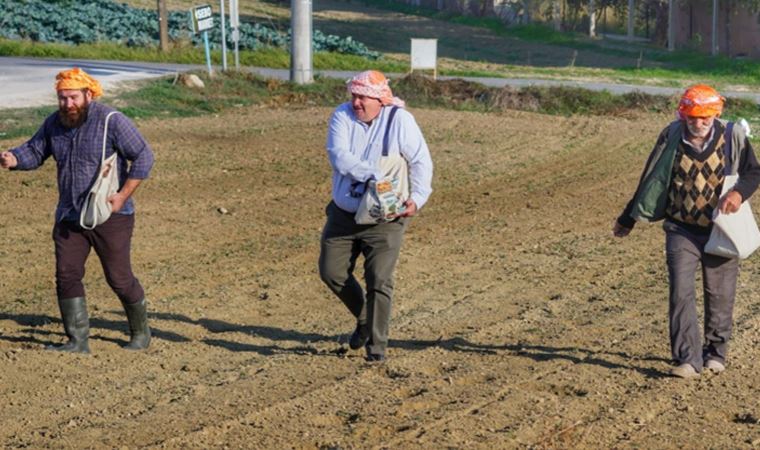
(703, 149)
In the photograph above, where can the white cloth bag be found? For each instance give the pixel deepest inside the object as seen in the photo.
(383, 200)
(733, 235)
(96, 208)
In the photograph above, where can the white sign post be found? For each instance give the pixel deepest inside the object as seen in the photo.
(235, 25)
(424, 54)
(224, 36)
(202, 22)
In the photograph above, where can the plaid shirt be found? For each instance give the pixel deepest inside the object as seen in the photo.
(78, 151)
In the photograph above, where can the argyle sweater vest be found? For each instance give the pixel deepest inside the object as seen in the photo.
(696, 183)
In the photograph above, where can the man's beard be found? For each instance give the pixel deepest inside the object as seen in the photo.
(698, 132)
(74, 116)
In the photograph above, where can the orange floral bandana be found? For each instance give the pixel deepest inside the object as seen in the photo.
(77, 78)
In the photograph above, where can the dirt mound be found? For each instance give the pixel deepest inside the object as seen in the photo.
(462, 94)
(422, 88)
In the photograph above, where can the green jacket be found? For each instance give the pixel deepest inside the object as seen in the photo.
(651, 197)
(652, 194)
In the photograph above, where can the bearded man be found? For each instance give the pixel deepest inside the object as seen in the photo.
(682, 183)
(74, 137)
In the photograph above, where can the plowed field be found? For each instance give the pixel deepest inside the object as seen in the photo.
(518, 320)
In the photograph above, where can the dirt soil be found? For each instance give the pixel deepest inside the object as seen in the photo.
(519, 322)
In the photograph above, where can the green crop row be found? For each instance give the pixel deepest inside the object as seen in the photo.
(92, 21)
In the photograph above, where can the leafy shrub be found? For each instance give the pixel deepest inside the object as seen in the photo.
(91, 21)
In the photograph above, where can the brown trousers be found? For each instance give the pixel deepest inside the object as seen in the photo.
(112, 242)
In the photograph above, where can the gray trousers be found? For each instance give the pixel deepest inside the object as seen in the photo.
(684, 255)
(341, 244)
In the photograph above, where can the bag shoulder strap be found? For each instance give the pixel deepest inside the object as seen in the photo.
(728, 136)
(388, 128)
(105, 137)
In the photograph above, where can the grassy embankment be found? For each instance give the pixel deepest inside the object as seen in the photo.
(658, 66)
(165, 98)
(268, 57)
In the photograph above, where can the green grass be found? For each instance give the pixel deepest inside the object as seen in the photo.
(105, 50)
(165, 98)
(22, 122)
(267, 57)
(676, 66)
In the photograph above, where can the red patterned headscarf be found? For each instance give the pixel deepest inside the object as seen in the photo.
(372, 83)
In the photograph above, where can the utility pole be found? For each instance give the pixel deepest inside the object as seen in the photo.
(163, 26)
(300, 42)
(235, 25)
(671, 26)
(224, 37)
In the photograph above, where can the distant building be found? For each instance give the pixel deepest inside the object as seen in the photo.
(738, 28)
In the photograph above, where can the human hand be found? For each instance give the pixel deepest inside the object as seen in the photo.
(410, 209)
(8, 160)
(117, 201)
(619, 230)
(730, 203)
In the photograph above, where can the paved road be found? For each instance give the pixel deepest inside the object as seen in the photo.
(29, 81)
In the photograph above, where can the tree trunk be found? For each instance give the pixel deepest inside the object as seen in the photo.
(728, 29)
(714, 37)
(631, 13)
(660, 35)
(671, 25)
(526, 11)
(486, 8)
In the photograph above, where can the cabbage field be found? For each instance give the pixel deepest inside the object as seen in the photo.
(91, 21)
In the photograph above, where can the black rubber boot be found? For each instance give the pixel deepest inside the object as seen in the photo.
(359, 337)
(76, 324)
(139, 331)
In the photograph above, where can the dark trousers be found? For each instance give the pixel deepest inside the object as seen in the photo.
(685, 252)
(341, 244)
(112, 242)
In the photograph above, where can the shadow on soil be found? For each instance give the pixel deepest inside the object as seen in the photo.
(538, 353)
(34, 321)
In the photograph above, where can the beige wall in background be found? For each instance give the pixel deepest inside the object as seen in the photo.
(694, 29)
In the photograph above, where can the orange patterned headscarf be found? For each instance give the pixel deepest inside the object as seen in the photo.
(77, 78)
(700, 100)
(372, 83)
